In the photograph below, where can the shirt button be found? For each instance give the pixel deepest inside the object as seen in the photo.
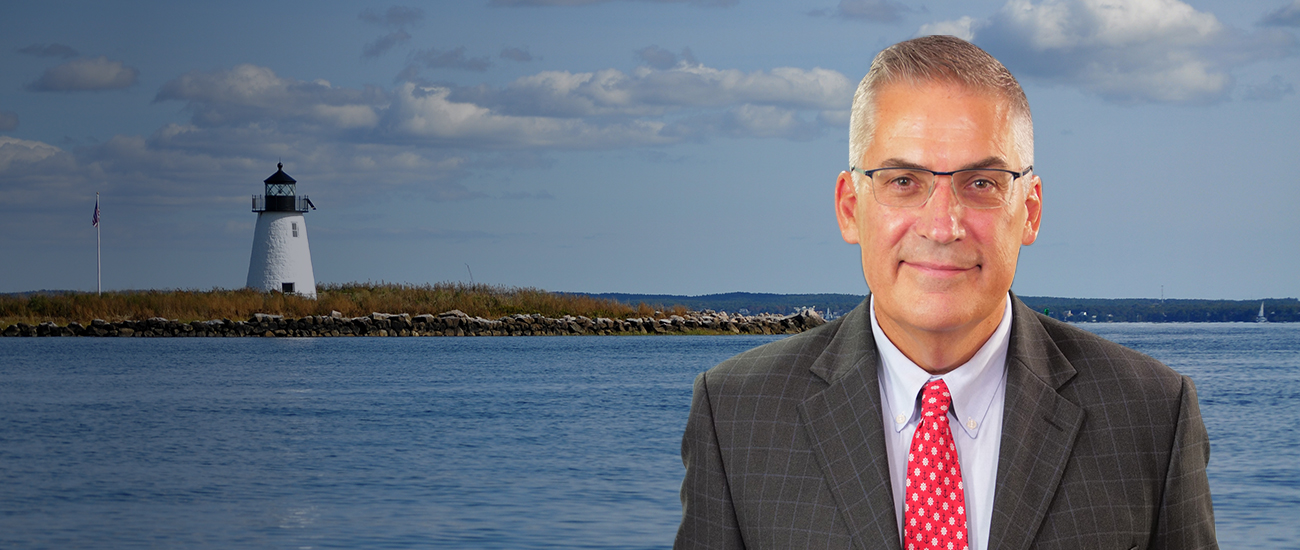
(972, 424)
(900, 419)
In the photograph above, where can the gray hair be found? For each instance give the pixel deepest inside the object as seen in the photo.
(938, 59)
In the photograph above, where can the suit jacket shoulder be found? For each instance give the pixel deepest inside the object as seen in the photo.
(1102, 446)
(782, 447)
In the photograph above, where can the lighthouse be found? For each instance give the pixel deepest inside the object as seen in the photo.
(281, 260)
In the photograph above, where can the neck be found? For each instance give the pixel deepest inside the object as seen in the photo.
(940, 351)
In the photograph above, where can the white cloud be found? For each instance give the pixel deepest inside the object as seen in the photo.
(86, 74)
(20, 150)
(550, 109)
(651, 92)
(252, 94)
(962, 28)
(418, 139)
(428, 114)
(35, 173)
(1132, 51)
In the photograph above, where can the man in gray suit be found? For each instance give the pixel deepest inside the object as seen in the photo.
(836, 438)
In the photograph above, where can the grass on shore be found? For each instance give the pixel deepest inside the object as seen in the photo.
(350, 299)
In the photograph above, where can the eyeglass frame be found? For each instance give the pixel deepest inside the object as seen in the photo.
(1014, 176)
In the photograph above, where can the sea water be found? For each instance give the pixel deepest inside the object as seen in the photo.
(528, 442)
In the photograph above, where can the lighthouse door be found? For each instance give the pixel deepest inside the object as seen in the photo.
(286, 288)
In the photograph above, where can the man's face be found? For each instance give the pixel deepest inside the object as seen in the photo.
(942, 266)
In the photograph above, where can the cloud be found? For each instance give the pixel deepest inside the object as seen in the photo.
(384, 43)
(49, 50)
(252, 94)
(1136, 51)
(1274, 90)
(1285, 16)
(32, 172)
(432, 58)
(653, 92)
(86, 74)
(523, 3)
(428, 114)
(961, 28)
(397, 17)
(877, 11)
(239, 111)
(413, 141)
(748, 121)
(8, 120)
(516, 54)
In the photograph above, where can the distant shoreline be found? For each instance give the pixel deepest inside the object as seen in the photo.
(494, 302)
(1075, 310)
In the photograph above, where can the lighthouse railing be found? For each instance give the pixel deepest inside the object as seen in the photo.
(275, 203)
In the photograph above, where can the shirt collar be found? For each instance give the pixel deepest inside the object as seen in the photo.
(973, 385)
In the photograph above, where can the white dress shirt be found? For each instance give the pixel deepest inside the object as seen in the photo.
(978, 389)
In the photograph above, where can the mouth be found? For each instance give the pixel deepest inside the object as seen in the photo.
(940, 269)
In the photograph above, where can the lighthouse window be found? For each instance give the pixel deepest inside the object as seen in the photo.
(295, 228)
(286, 288)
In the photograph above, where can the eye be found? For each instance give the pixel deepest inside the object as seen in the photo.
(983, 182)
(902, 182)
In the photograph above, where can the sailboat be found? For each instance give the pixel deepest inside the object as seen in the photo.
(1261, 318)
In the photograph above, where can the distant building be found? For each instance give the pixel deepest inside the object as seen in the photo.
(281, 260)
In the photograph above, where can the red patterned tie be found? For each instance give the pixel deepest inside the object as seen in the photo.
(934, 510)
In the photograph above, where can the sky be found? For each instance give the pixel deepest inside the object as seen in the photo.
(676, 147)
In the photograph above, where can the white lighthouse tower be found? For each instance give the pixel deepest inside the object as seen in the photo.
(281, 259)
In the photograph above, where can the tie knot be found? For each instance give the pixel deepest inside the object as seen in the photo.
(936, 399)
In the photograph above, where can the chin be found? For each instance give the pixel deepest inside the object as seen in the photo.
(940, 312)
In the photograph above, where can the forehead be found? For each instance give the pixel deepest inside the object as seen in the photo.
(937, 124)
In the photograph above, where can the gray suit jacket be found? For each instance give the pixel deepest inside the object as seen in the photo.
(1102, 447)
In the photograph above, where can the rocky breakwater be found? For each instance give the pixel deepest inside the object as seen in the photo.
(451, 323)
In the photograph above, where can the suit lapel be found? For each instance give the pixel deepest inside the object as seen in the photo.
(1038, 432)
(844, 428)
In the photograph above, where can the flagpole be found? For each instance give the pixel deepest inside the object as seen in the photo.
(99, 272)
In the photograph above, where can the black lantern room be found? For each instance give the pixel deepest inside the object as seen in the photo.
(281, 194)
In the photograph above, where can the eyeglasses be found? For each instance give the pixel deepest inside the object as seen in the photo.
(982, 188)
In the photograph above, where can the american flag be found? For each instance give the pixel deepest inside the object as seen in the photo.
(95, 220)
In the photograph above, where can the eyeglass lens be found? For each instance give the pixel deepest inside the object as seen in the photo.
(907, 187)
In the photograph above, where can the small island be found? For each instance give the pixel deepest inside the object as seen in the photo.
(339, 311)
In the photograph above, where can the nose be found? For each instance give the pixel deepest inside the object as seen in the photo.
(941, 216)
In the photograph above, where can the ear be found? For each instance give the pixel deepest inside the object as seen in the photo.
(846, 207)
(1034, 206)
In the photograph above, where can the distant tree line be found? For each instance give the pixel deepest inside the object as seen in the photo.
(1075, 310)
(1149, 310)
(750, 303)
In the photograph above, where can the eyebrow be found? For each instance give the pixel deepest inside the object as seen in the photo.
(987, 162)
